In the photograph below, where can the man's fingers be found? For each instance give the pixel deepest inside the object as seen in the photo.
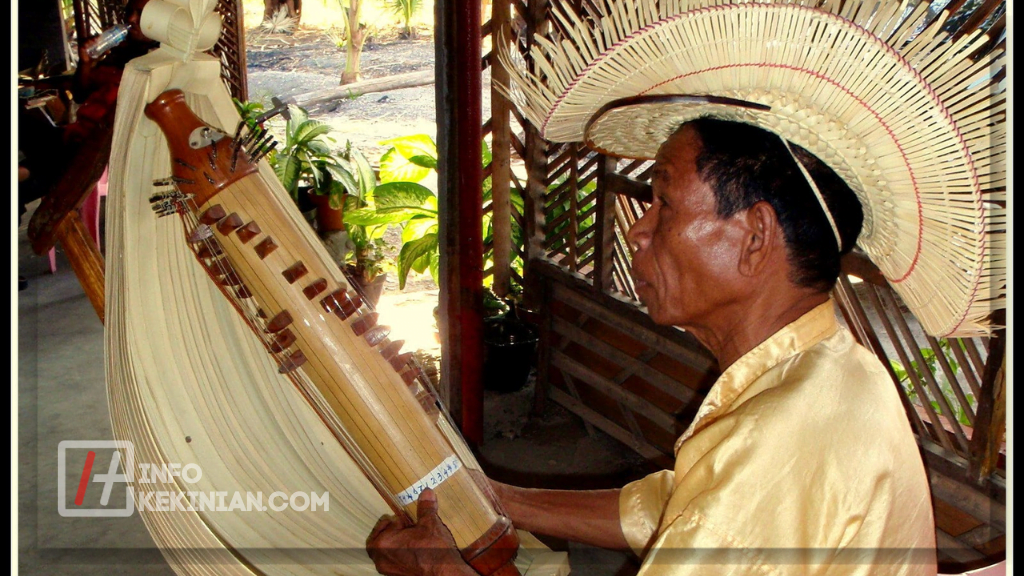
(383, 524)
(426, 504)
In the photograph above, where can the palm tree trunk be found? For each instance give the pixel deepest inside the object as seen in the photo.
(354, 46)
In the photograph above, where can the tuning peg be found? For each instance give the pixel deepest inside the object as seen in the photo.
(376, 335)
(209, 249)
(261, 155)
(282, 340)
(364, 323)
(400, 361)
(391, 349)
(292, 361)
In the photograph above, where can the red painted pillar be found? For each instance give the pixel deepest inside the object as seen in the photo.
(458, 91)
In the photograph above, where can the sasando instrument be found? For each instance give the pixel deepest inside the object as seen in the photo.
(322, 335)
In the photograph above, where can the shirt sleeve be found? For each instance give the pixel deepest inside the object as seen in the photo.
(641, 505)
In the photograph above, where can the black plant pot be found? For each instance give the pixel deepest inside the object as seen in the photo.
(509, 345)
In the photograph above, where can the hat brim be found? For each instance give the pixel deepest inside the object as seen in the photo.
(845, 95)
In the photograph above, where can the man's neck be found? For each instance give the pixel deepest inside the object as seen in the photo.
(734, 333)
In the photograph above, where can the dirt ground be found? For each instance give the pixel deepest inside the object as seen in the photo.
(309, 60)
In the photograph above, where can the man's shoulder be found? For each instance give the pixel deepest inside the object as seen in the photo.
(837, 393)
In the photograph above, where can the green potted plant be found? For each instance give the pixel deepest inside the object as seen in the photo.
(401, 199)
(306, 165)
(365, 261)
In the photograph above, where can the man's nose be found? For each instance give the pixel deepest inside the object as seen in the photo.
(639, 235)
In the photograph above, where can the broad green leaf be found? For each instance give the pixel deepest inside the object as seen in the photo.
(316, 173)
(377, 231)
(424, 161)
(371, 217)
(367, 179)
(353, 203)
(435, 266)
(402, 195)
(415, 145)
(486, 154)
(309, 131)
(340, 174)
(338, 192)
(418, 228)
(298, 117)
(516, 199)
(319, 148)
(897, 369)
(288, 173)
(396, 168)
(413, 251)
(420, 264)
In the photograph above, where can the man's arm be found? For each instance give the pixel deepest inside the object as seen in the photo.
(587, 516)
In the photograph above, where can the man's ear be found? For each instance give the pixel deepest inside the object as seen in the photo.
(762, 230)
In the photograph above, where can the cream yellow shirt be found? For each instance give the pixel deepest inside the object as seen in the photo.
(800, 461)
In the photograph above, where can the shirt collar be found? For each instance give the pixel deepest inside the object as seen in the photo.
(797, 336)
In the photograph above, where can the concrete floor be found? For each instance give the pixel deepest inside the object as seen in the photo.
(61, 396)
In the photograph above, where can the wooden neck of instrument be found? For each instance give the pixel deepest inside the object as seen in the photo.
(204, 160)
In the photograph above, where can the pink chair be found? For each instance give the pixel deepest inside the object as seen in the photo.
(89, 211)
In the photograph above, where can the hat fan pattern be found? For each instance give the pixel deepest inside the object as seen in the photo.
(912, 119)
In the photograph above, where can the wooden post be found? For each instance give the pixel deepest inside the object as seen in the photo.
(501, 150)
(991, 418)
(81, 21)
(458, 96)
(604, 235)
(533, 212)
(84, 257)
(546, 345)
(534, 294)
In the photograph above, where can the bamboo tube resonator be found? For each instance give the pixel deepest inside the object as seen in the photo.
(322, 335)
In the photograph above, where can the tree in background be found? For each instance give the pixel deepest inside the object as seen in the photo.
(355, 36)
(405, 9)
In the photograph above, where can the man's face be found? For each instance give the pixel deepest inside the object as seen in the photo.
(685, 261)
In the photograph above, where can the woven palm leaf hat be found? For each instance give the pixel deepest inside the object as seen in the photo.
(912, 119)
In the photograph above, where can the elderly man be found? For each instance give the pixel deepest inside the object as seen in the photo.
(773, 474)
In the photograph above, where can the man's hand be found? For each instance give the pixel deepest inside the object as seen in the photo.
(424, 549)
(84, 59)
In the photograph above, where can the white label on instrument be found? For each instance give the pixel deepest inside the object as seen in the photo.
(442, 472)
